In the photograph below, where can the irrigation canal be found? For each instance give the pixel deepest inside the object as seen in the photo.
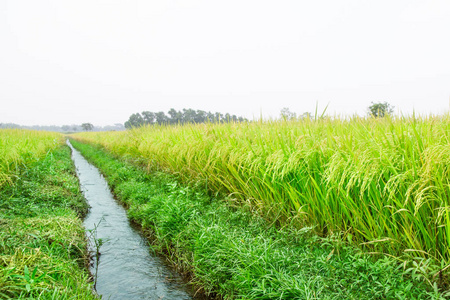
(125, 269)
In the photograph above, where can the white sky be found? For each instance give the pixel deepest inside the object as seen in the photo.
(99, 61)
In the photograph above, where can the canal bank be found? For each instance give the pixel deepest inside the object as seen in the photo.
(122, 265)
(42, 239)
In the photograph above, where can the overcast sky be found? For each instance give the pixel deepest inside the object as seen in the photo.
(69, 62)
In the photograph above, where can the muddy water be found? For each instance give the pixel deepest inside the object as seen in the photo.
(126, 270)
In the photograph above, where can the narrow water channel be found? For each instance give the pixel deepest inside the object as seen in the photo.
(126, 270)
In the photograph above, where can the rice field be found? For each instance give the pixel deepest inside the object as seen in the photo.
(42, 239)
(380, 183)
(18, 148)
(228, 251)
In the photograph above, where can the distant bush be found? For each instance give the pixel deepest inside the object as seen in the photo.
(380, 110)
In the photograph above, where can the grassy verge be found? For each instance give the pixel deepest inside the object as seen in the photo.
(42, 240)
(233, 254)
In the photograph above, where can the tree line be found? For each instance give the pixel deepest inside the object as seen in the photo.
(180, 117)
(65, 128)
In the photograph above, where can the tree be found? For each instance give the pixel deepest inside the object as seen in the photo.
(380, 110)
(218, 117)
(200, 116)
(175, 116)
(286, 114)
(189, 115)
(135, 120)
(87, 126)
(305, 115)
(161, 118)
(148, 117)
(210, 117)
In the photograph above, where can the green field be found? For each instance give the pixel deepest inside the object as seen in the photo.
(229, 252)
(43, 252)
(381, 184)
(306, 209)
(19, 148)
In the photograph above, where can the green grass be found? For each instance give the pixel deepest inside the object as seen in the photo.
(43, 252)
(231, 252)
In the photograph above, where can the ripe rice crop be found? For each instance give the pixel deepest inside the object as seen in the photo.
(382, 183)
(20, 147)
